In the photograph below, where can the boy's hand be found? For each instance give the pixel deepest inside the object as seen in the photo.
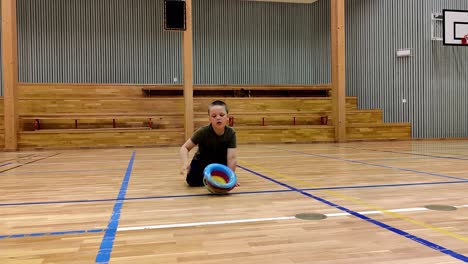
(183, 170)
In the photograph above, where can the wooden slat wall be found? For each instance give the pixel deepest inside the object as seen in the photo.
(299, 118)
(175, 105)
(256, 105)
(285, 134)
(158, 122)
(382, 131)
(2, 124)
(67, 90)
(87, 105)
(103, 138)
(128, 100)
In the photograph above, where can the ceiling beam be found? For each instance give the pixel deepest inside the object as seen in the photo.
(286, 1)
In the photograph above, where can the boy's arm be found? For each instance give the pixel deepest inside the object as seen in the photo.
(232, 159)
(184, 156)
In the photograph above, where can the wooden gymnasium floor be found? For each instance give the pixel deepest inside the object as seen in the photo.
(131, 206)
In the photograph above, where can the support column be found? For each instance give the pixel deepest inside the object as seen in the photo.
(10, 73)
(187, 39)
(338, 68)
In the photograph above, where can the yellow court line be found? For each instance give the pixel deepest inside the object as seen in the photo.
(370, 206)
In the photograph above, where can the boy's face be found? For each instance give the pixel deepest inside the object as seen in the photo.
(218, 116)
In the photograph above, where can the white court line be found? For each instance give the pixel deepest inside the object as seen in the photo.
(166, 226)
(137, 160)
(204, 223)
(103, 161)
(145, 160)
(64, 156)
(51, 162)
(58, 171)
(175, 154)
(272, 156)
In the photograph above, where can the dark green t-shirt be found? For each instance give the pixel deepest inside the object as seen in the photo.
(211, 147)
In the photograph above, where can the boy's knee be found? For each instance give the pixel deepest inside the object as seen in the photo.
(194, 182)
(195, 174)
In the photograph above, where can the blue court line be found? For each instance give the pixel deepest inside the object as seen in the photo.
(408, 158)
(107, 242)
(55, 233)
(200, 195)
(23, 164)
(382, 185)
(409, 153)
(41, 234)
(207, 194)
(18, 158)
(375, 165)
(58, 171)
(234, 193)
(5, 164)
(400, 232)
(135, 198)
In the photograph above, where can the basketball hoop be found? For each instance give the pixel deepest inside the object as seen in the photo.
(465, 40)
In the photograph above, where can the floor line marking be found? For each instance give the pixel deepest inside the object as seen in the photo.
(411, 153)
(238, 221)
(390, 228)
(191, 224)
(30, 162)
(232, 193)
(371, 164)
(58, 171)
(368, 205)
(107, 243)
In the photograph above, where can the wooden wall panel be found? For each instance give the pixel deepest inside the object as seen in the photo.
(2, 124)
(384, 131)
(285, 134)
(83, 90)
(72, 91)
(100, 138)
(132, 105)
(174, 105)
(298, 118)
(271, 104)
(256, 119)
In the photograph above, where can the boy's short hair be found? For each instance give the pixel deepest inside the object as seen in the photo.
(218, 102)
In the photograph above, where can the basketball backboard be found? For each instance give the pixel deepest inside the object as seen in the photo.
(455, 27)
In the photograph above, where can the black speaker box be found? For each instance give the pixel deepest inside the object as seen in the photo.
(174, 15)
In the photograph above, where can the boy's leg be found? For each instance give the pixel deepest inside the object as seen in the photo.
(195, 174)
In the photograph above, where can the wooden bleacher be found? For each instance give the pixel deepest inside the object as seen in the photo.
(296, 118)
(2, 124)
(99, 120)
(96, 115)
(274, 120)
(316, 90)
(101, 115)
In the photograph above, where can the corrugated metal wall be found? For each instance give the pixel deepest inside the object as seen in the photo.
(1, 58)
(96, 41)
(240, 42)
(449, 87)
(122, 41)
(433, 81)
